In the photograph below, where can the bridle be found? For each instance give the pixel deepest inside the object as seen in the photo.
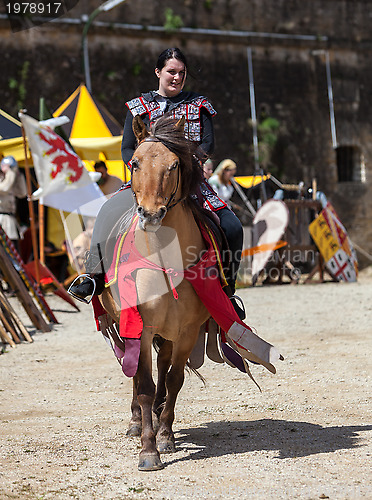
(171, 203)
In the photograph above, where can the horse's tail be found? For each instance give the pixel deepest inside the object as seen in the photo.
(189, 368)
(158, 341)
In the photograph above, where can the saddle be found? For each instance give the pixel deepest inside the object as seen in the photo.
(211, 222)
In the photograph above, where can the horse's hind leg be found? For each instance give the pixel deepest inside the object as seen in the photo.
(135, 424)
(149, 458)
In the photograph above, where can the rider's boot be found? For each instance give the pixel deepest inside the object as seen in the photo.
(93, 282)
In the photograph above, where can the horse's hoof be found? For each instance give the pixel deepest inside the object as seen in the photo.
(134, 430)
(166, 446)
(149, 463)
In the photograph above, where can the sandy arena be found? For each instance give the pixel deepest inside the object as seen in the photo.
(66, 405)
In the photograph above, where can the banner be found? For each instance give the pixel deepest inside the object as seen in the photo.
(64, 182)
(333, 243)
(57, 166)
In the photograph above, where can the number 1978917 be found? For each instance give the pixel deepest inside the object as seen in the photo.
(33, 8)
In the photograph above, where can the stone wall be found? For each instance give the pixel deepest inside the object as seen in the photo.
(290, 80)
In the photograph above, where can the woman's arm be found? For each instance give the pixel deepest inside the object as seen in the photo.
(207, 140)
(128, 143)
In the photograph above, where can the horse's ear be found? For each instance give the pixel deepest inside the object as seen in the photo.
(139, 128)
(181, 123)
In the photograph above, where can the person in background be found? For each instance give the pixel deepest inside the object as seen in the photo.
(221, 179)
(12, 186)
(80, 246)
(208, 169)
(108, 183)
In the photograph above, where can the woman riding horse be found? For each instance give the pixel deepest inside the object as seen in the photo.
(165, 172)
(171, 70)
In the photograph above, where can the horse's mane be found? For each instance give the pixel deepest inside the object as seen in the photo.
(173, 138)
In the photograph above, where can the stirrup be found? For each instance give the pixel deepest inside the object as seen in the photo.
(81, 299)
(239, 302)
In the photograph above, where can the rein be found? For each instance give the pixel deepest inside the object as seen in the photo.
(171, 203)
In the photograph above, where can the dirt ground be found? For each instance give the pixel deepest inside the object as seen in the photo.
(65, 409)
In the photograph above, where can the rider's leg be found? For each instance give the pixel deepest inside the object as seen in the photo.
(233, 230)
(95, 264)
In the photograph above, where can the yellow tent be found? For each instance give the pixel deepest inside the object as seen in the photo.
(93, 132)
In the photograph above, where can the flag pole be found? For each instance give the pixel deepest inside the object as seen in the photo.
(41, 211)
(257, 169)
(70, 243)
(31, 209)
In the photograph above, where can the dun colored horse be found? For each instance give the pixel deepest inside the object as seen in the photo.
(164, 173)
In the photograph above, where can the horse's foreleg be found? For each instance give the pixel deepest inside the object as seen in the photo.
(174, 381)
(135, 424)
(149, 458)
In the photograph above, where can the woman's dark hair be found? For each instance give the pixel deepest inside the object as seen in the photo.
(172, 53)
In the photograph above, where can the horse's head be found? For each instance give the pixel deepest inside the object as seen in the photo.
(157, 169)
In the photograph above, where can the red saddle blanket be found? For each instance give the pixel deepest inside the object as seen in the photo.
(205, 277)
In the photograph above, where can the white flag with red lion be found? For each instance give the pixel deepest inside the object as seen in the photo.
(57, 167)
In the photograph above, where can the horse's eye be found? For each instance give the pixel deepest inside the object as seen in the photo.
(173, 167)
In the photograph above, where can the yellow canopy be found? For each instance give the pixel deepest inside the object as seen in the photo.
(88, 148)
(15, 148)
(249, 181)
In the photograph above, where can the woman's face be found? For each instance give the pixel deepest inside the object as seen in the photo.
(229, 173)
(207, 170)
(171, 78)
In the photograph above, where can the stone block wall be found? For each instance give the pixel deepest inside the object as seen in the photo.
(290, 81)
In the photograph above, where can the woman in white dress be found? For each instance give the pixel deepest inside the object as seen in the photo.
(221, 179)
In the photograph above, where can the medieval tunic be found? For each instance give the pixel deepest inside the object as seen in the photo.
(198, 113)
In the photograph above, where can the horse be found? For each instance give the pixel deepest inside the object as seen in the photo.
(165, 172)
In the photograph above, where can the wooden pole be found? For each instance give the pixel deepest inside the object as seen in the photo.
(41, 231)
(13, 277)
(31, 210)
(9, 327)
(26, 277)
(7, 306)
(5, 337)
(314, 188)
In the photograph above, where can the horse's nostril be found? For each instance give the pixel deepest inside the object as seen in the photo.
(162, 212)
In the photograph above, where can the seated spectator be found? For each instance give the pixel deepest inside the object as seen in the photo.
(221, 179)
(12, 186)
(108, 183)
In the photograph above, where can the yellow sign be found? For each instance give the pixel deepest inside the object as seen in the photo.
(323, 237)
